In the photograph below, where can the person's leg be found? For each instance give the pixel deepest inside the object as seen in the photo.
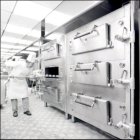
(25, 102)
(14, 107)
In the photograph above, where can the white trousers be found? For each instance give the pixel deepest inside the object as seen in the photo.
(25, 103)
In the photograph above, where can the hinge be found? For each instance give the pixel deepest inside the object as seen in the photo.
(132, 130)
(132, 36)
(132, 83)
(129, 128)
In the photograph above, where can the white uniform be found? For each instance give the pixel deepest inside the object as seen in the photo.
(17, 87)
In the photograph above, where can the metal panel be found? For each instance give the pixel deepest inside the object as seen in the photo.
(91, 73)
(92, 107)
(53, 91)
(50, 50)
(54, 85)
(96, 39)
(111, 83)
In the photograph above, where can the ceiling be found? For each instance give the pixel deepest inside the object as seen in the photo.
(21, 21)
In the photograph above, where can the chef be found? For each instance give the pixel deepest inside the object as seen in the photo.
(17, 87)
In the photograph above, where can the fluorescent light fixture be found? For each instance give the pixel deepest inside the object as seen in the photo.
(33, 49)
(31, 10)
(9, 53)
(22, 30)
(57, 18)
(6, 49)
(14, 51)
(12, 46)
(15, 40)
(5, 55)
(35, 33)
(9, 39)
(28, 52)
(26, 42)
(17, 29)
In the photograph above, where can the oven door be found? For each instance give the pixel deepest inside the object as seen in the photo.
(91, 73)
(97, 39)
(51, 51)
(92, 107)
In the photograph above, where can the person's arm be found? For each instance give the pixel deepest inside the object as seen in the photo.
(29, 74)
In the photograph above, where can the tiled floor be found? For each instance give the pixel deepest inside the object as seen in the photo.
(45, 123)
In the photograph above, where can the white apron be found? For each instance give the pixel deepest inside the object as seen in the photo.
(18, 88)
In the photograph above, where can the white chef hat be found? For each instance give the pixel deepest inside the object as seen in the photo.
(31, 57)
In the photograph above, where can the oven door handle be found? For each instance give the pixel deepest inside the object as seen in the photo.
(88, 33)
(78, 68)
(79, 95)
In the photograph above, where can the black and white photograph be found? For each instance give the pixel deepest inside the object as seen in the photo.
(70, 69)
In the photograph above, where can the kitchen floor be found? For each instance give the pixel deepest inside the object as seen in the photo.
(45, 123)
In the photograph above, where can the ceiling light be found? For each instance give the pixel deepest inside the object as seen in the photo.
(57, 18)
(26, 42)
(22, 30)
(3, 55)
(32, 49)
(17, 29)
(12, 46)
(28, 52)
(35, 33)
(31, 10)
(15, 40)
(4, 50)
(9, 53)
(9, 39)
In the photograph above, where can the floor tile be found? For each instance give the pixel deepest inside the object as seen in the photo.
(45, 123)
